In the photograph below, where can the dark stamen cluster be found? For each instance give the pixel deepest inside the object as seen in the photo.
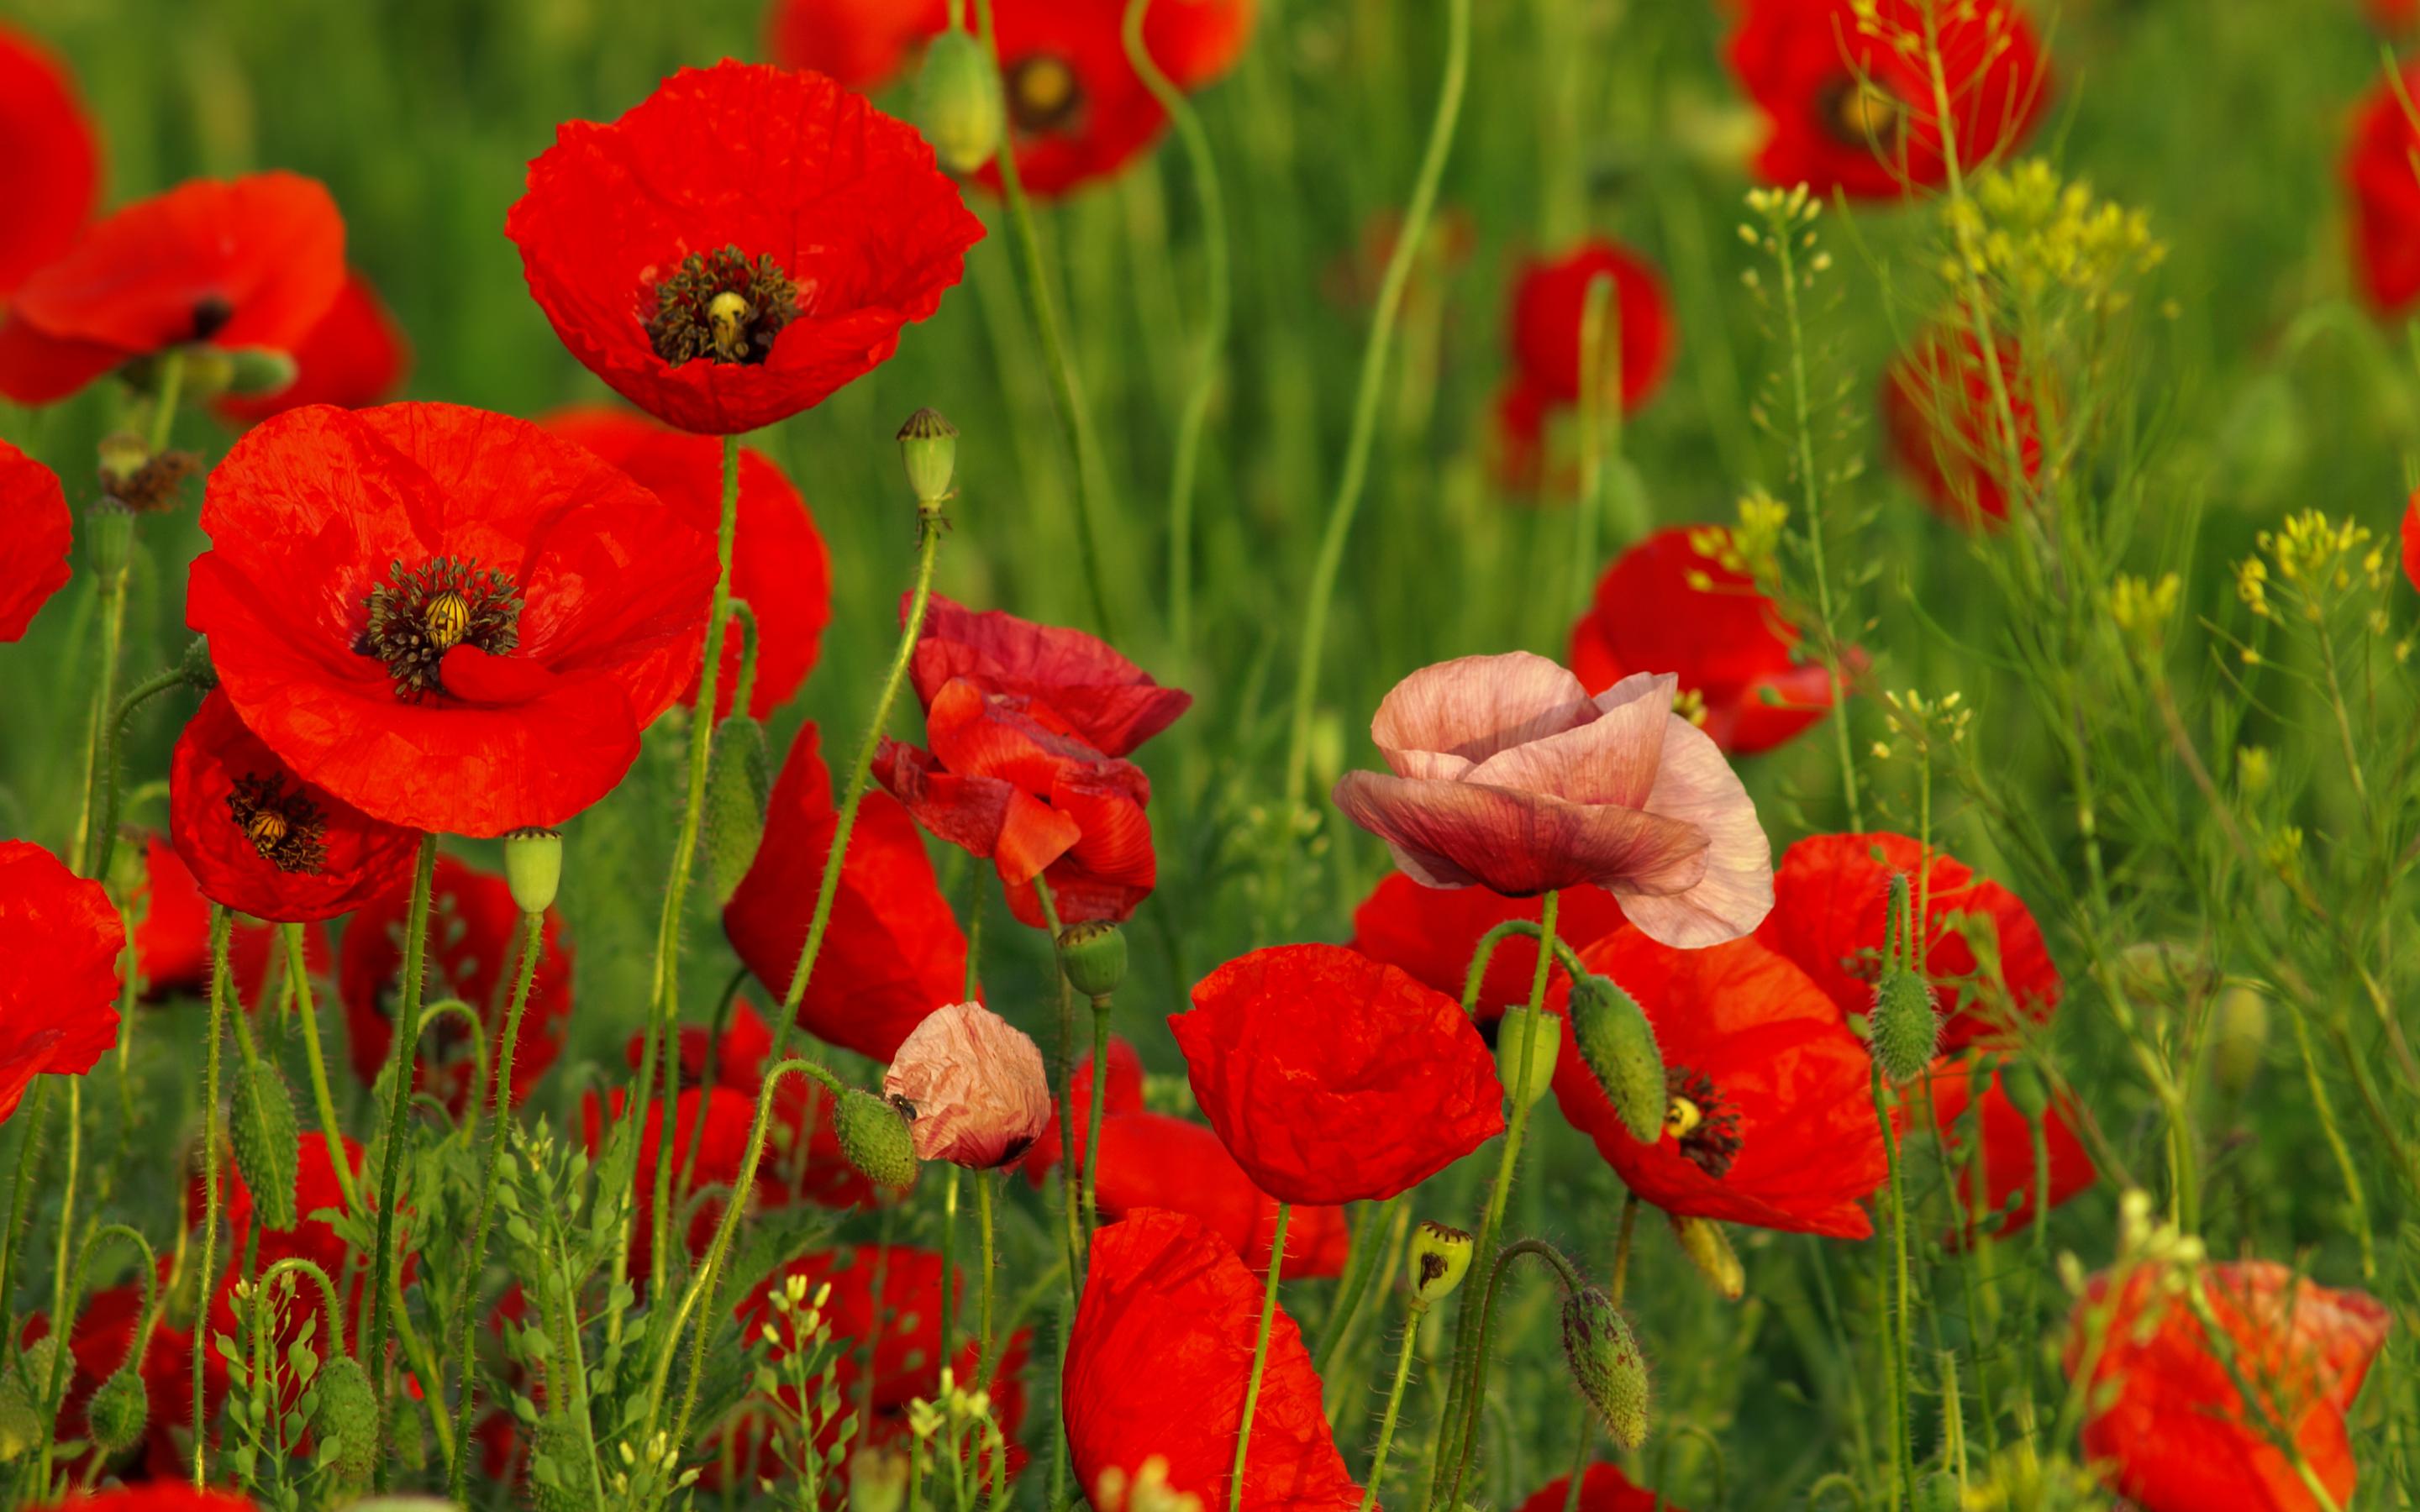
(1043, 93)
(721, 306)
(1708, 1130)
(286, 827)
(418, 616)
(1861, 114)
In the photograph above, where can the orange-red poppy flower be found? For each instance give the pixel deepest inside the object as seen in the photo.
(739, 245)
(2011, 1184)
(36, 533)
(253, 262)
(1663, 606)
(1603, 1489)
(172, 935)
(2412, 540)
(2178, 1434)
(1830, 912)
(893, 951)
(1944, 426)
(450, 619)
(1771, 1121)
(2385, 196)
(1550, 309)
(50, 164)
(58, 998)
(356, 356)
(1069, 681)
(1432, 932)
(1157, 1362)
(1847, 90)
(1332, 1078)
(1506, 775)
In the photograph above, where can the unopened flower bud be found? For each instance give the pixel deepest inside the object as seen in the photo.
(268, 1141)
(2161, 974)
(958, 103)
(738, 786)
(345, 1424)
(256, 372)
(201, 673)
(1607, 1364)
(1092, 956)
(2242, 1038)
(877, 1480)
(118, 1412)
(534, 868)
(1619, 1045)
(208, 371)
(1709, 1249)
(971, 1087)
(1939, 1493)
(1543, 1034)
(875, 1138)
(1906, 1027)
(1440, 1258)
(2026, 1089)
(928, 445)
(109, 536)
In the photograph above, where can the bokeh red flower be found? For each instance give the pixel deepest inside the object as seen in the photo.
(893, 951)
(475, 934)
(739, 245)
(58, 998)
(1157, 1361)
(450, 619)
(778, 562)
(356, 356)
(1333, 1078)
(1665, 606)
(1546, 331)
(172, 935)
(863, 44)
(1943, 424)
(1851, 107)
(100, 1343)
(2378, 175)
(2178, 1434)
(1430, 933)
(1830, 912)
(1771, 1119)
(2412, 540)
(37, 531)
(1998, 1186)
(1603, 1489)
(251, 262)
(50, 162)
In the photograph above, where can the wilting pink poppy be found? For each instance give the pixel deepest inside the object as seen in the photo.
(972, 1086)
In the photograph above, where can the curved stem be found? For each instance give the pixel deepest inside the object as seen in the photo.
(1347, 501)
(1485, 1295)
(1260, 1358)
(338, 1162)
(1599, 301)
(401, 1060)
(1564, 954)
(221, 987)
(1394, 1404)
(101, 838)
(1093, 1115)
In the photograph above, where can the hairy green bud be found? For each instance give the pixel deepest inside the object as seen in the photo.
(738, 786)
(1619, 1045)
(875, 1137)
(268, 1141)
(2026, 1090)
(1543, 1034)
(118, 1412)
(2241, 1040)
(1906, 1027)
(1092, 956)
(346, 1422)
(1606, 1363)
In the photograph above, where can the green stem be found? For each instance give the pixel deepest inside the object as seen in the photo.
(401, 1060)
(983, 1243)
(1394, 1403)
(100, 749)
(100, 838)
(1591, 503)
(1486, 1287)
(221, 987)
(1360, 1266)
(60, 1295)
(1486, 952)
(949, 1255)
(29, 1146)
(1902, 1431)
(163, 409)
(1260, 1359)
(1093, 1115)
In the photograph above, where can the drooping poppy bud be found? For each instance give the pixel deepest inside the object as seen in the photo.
(1906, 1027)
(928, 445)
(1619, 1045)
(267, 1142)
(1544, 1038)
(2241, 1037)
(958, 102)
(534, 868)
(738, 786)
(1607, 1364)
(876, 1139)
(1092, 955)
(118, 1411)
(345, 1424)
(1709, 1249)
(1440, 1258)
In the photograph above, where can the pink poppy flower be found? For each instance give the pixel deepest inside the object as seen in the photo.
(972, 1086)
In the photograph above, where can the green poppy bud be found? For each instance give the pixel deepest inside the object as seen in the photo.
(875, 1138)
(2026, 1090)
(1939, 1493)
(738, 786)
(109, 536)
(1607, 1364)
(1905, 1026)
(2241, 1037)
(1709, 1248)
(1440, 1258)
(1543, 1033)
(958, 102)
(268, 1141)
(346, 1422)
(256, 372)
(928, 445)
(534, 868)
(1619, 1045)
(1092, 956)
(118, 1412)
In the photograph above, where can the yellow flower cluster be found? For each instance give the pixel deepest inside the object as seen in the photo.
(2317, 560)
(2035, 231)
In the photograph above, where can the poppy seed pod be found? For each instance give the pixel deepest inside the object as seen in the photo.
(2242, 1038)
(1607, 1364)
(346, 1423)
(738, 786)
(1092, 956)
(928, 445)
(1906, 1027)
(875, 1138)
(109, 536)
(1619, 1045)
(1709, 1249)
(1440, 1258)
(958, 102)
(267, 1142)
(1537, 1030)
(256, 372)
(118, 1411)
(534, 868)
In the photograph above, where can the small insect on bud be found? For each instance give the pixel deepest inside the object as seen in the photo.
(1709, 1249)
(256, 372)
(928, 445)
(2242, 1038)
(1543, 1034)
(877, 1480)
(345, 1424)
(1619, 1045)
(875, 1138)
(1906, 1027)
(1092, 956)
(268, 1141)
(958, 102)
(2026, 1090)
(1607, 1364)
(534, 868)
(118, 1412)
(738, 786)
(1440, 1258)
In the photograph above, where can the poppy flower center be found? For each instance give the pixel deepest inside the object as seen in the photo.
(722, 307)
(418, 616)
(1701, 1121)
(1861, 114)
(211, 313)
(1043, 93)
(286, 827)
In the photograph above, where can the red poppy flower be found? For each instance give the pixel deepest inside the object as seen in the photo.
(1550, 309)
(1829, 914)
(474, 931)
(172, 935)
(1432, 932)
(58, 1000)
(449, 619)
(2178, 1431)
(1157, 1361)
(263, 842)
(50, 164)
(863, 44)
(1944, 426)
(1332, 1078)
(2394, 15)
(2008, 1178)
(1153, 1160)
(1772, 1117)
(778, 562)
(164, 1496)
(356, 356)
(739, 244)
(251, 262)
(1071, 683)
(893, 953)
(36, 532)
(1852, 109)
(1665, 607)
(1603, 1488)
(737, 1056)
(2385, 196)
(97, 1345)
